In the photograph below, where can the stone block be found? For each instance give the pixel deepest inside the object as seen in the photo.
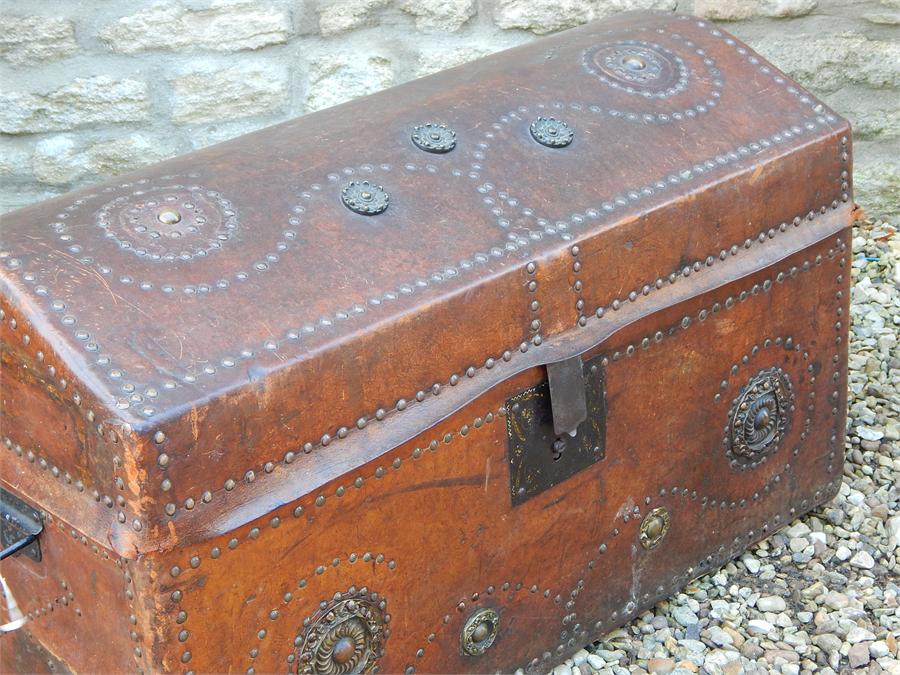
(338, 77)
(57, 160)
(205, 135)
(208, 95)
(223, 26)
(116, 156)
(433, 60)
(27, 40)
(92, 100)
(440, 15)
(548, 16)
(874, 113)
(64, 159)
(883, 17)
(826, 63)
(876, 187)
(786, 9)
(726, 10)
(14, 197)
(344, 15)
(14, 161)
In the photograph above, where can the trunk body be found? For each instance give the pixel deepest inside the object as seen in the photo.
(351, 392)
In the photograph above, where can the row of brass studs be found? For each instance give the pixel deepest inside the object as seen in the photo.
(368, 199)
(105, 432)
(471, 372)
(481, 633)
(657, 521)
(481, 629)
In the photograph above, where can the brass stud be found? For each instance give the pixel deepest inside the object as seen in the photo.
(169, 217)
(654, 527)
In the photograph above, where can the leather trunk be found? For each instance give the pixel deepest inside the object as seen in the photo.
(453, 378)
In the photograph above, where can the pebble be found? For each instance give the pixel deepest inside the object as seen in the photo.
(799, 529)
(771, 603)
(692, 631)
(879, 649)
(835, 600)
(684, 616)
(858, 655)
(720, 637)
(759, 627)
(822, 595)
(752, 651)
(661, 666)
(863, 560)
(718, 659)
(596, 662)
(828, 642)
(858, 634)
(752, 564)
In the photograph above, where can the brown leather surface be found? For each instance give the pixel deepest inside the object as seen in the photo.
(78, 600)
(21, 653)
(162, 414)
(442, 519)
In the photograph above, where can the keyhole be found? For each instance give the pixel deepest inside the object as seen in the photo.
(559, 445)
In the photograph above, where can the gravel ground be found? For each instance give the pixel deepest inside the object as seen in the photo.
(823, 594)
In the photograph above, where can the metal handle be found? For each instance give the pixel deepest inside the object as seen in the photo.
(20, 525)
(17, 546)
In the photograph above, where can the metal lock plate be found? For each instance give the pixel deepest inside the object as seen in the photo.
(539, 456)
(19, 522)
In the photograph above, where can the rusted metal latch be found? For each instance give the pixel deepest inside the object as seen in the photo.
(556, 428)
(568, 401)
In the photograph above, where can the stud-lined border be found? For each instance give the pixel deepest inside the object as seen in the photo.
(835, 252)
(706, 501)
(477, 600)
(109, 431)
(128, 590)
(342, 432)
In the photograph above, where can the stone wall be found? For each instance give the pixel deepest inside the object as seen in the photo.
(96, 88)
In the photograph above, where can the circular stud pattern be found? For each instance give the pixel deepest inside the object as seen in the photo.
(759, 418)
(654, 527)
(637, 67)
(365, 198)
(551, 132)
(169, 223)
(436, 138)
(480, 631)
(346, 637)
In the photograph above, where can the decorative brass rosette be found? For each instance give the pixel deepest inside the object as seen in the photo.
(436, 138)
(480, 631)
(346, 637)
(654, 527)
(551, 132)
(365, 198)
(759, 418)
